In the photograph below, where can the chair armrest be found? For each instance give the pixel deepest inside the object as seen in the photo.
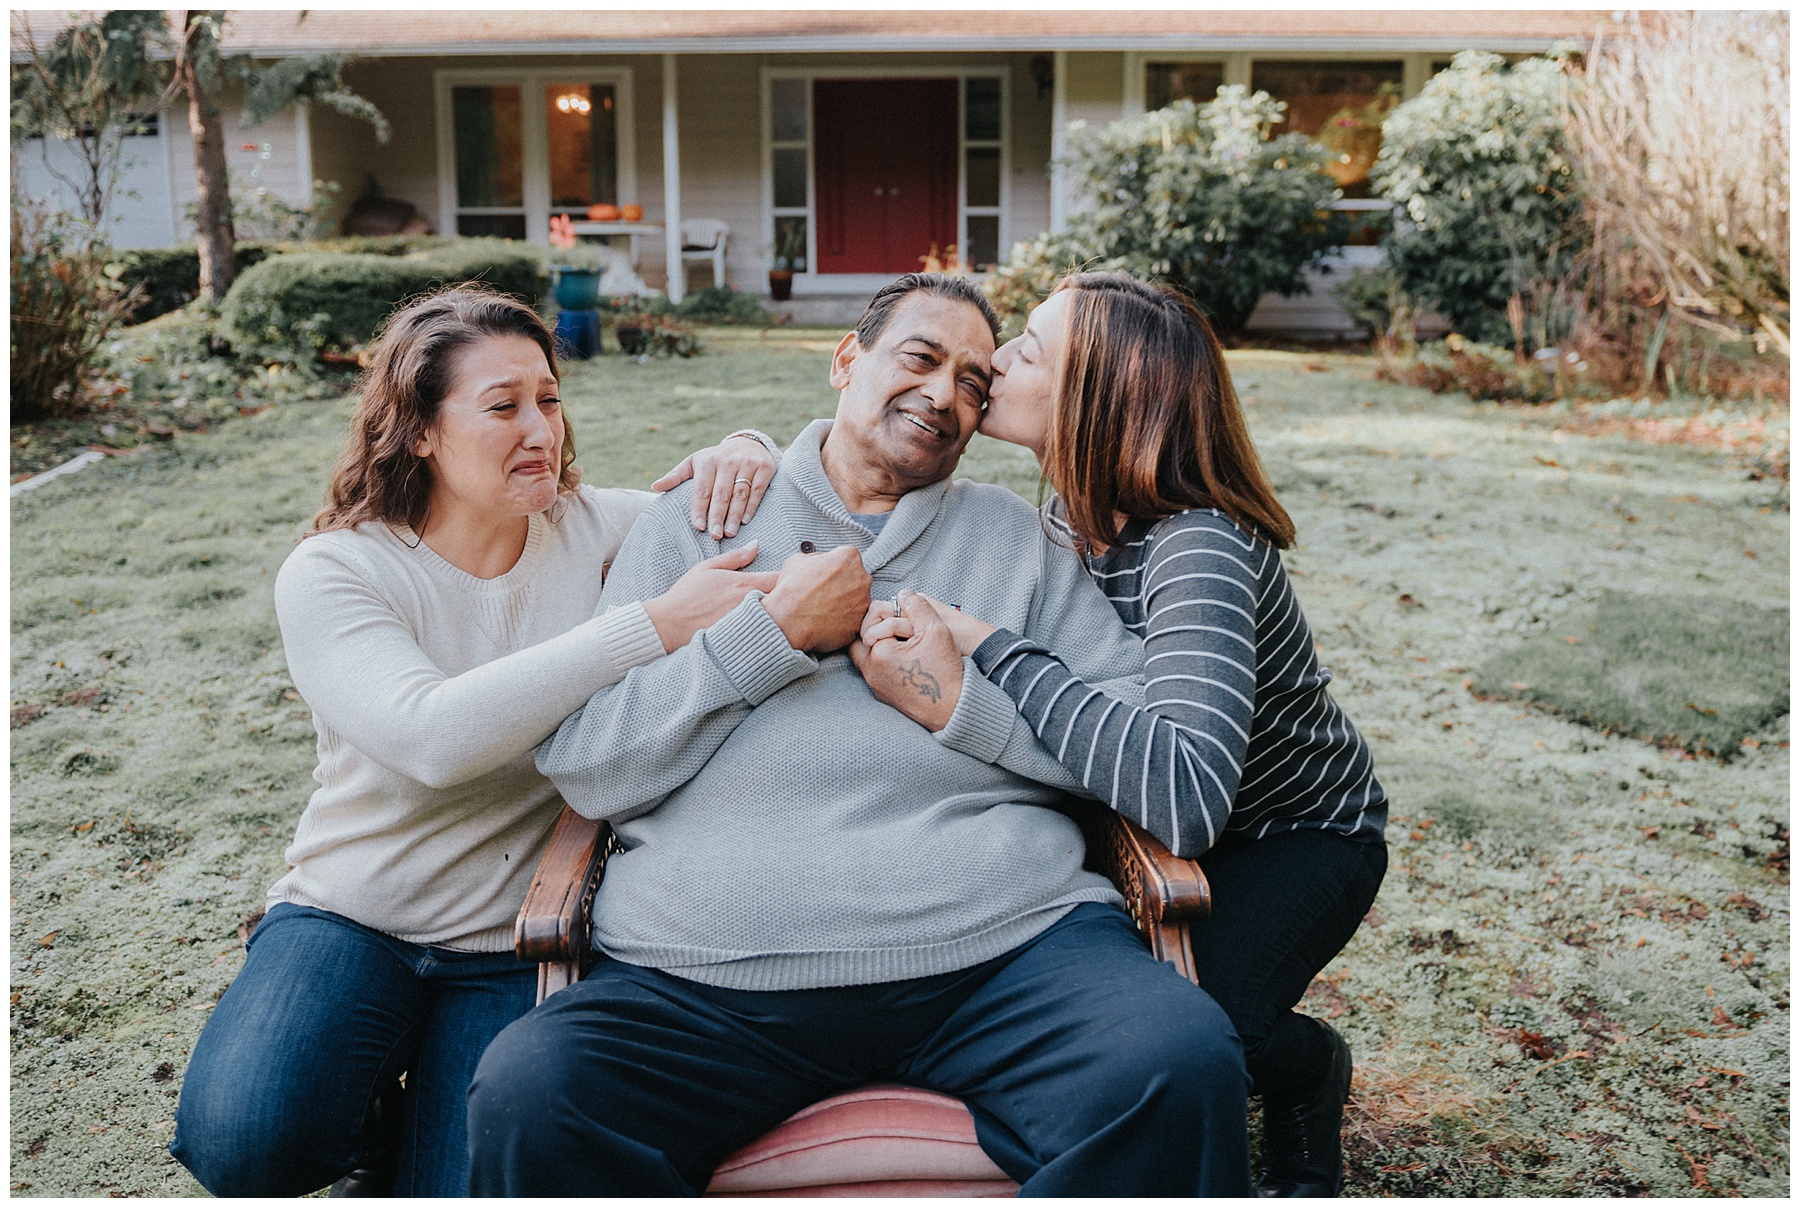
(1164, 893)
(553, 923)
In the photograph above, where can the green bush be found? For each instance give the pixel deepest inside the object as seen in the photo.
(1700, 673)
(723, 304)
(1478, 167)
(63, 308)
(1198, 196)
(294, 306)
(168, 278)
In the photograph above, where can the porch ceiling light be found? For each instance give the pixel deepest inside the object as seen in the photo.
(573, 102)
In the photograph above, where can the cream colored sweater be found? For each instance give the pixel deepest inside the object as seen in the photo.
(429, 689)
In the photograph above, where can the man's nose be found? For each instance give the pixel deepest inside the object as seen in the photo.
(940, 388)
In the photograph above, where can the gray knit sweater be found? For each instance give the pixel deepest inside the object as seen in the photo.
(786, 830)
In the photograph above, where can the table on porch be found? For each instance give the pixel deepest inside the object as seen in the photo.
(631, 229)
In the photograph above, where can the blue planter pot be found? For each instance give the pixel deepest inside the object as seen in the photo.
(577, 289)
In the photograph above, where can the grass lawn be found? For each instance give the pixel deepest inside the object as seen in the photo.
(1575, 980)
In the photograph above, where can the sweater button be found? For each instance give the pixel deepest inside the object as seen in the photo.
(807, 547)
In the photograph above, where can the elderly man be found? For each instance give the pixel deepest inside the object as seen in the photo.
(840, 872)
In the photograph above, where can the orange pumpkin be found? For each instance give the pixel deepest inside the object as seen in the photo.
(632, 213)
(603, 212)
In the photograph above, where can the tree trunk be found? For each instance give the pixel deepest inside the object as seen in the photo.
(213, 233)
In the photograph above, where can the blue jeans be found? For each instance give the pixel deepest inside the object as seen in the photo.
(1090, 1068)
(327, 1014)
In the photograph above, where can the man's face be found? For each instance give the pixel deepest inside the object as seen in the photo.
(909, 405)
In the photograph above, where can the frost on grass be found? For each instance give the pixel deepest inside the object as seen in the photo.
(1575, 979)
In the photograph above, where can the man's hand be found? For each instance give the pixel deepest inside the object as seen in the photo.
(705, 593)
(820, 600)
(729, 481)
(921, 674)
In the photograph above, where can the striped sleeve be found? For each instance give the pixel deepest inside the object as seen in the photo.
(1173, 765)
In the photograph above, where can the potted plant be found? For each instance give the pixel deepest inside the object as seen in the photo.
(790, 256)
(578, 268)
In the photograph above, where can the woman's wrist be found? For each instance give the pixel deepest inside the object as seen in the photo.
(762, 438)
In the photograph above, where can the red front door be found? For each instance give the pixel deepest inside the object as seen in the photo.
(884, 172)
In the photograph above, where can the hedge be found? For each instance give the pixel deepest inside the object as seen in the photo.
(296, 305)
(170, 276)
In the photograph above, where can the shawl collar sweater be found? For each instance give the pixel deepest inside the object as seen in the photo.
(784, 829)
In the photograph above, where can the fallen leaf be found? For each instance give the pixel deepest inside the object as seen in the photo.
(1544, 461)
(1572, 640)
(48, 941)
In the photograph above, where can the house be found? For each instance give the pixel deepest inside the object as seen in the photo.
(858, 140)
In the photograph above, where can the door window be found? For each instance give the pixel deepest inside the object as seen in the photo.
(487, 121)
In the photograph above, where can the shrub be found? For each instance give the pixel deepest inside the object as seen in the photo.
(723, 304)
(1198, 196)
(298, 305)
(168, 278)
(1479, 168)
(63, 308)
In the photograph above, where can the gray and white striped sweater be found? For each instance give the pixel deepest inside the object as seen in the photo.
(1237, 735)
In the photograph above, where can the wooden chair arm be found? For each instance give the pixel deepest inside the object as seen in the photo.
(1164, 893)
(553, 924)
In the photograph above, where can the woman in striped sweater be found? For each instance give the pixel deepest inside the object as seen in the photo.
(1238, 756)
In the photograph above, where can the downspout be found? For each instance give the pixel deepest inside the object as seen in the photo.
(672, 182)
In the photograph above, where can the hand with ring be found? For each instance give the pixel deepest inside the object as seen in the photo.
(729, 481)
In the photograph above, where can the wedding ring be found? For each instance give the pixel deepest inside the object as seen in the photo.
(745, 481)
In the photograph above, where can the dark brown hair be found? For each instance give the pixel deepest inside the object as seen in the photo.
(379, 477)
(1145, 421)
(875, 317)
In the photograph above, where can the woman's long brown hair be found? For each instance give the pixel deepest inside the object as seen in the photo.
(379, 477)
(1145, 422)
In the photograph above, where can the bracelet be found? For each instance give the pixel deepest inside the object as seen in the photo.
(762, 437)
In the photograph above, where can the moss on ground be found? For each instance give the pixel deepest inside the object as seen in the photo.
(1575, 980)
(1698, 673)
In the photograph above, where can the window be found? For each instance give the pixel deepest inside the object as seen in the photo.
(1340, 103)
(982, 134)
(581, 128)
(518, 146)
(790, 157)
(1166, 83)
(490, 160)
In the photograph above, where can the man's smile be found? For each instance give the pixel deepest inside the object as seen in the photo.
(924, 425)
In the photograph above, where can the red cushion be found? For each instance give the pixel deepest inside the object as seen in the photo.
(874, 1141)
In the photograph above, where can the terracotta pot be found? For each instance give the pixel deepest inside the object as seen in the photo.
(781, 284)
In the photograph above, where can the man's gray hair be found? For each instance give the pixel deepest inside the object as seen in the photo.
(874, 320)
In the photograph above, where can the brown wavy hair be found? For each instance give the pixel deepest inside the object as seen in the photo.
(1145, 421)
(379, 477)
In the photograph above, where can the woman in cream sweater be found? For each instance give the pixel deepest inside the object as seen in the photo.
(439, 620)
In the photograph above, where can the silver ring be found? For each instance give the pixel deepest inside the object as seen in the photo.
(744, 481)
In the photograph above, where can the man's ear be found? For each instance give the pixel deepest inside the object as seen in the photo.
(848, 349)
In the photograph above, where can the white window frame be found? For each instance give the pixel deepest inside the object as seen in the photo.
(534, 137)
(814, 282)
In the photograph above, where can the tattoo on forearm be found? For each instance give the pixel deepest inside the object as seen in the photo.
(922, 681)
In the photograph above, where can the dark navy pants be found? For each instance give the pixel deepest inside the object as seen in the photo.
(325, 1015)
(1090, 1068)
(1283, 908)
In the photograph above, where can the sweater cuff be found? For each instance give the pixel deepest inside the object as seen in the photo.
(982, 721)
(754, 654)
(763, 438)
(630, 637)
(997, 646)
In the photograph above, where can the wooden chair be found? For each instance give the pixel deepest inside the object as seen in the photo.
(884, 1140)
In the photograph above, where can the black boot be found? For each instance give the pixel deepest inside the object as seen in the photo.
(380, 1162)
(1303, 1152)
